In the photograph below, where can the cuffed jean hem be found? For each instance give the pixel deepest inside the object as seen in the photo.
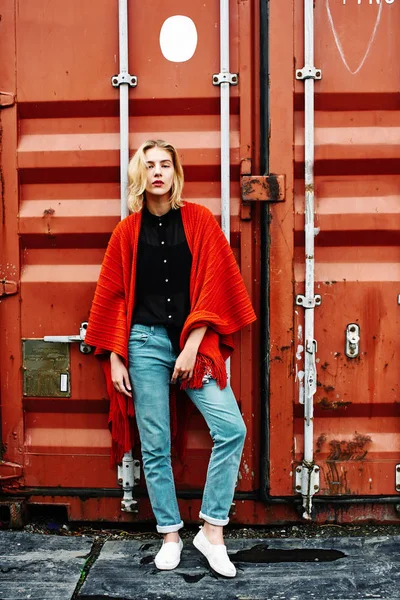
(220, 522)
(169, 528)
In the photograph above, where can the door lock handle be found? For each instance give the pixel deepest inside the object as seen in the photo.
(67, 339)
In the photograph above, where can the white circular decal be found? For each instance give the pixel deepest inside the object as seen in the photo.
(178, 38)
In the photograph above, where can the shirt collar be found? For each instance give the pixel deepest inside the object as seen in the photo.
(154, 219)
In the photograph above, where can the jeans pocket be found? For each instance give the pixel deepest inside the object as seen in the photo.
(138, 338)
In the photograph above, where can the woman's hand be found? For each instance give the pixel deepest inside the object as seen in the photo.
(119, 375)
(186, 360)
(184, 364)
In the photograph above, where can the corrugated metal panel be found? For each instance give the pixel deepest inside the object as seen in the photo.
(67, 156)
(357, 417)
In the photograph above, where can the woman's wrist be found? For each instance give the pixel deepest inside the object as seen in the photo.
(192, 346)
(195, 338)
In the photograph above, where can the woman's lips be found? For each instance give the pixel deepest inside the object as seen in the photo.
(158, 183)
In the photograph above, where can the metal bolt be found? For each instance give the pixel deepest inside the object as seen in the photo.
(316, 488)
(398, 468)
(298, 488)
(316, 469)
(120, 480)
(298, 470)
(318, 73)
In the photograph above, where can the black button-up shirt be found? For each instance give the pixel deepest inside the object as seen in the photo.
(163, 269)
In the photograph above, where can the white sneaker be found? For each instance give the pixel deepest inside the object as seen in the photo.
(169, 555)
(216, 555)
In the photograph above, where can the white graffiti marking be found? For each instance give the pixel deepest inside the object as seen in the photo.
(339, 45)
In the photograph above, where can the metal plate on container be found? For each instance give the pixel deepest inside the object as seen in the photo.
(46, 369)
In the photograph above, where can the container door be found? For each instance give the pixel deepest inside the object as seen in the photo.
(61, 202)
(357, 419)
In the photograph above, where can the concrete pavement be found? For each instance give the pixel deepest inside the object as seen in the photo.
(42, 567)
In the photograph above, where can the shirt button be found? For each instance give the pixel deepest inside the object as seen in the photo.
(166, 281)
(163, 243)
(160, 224)
(169, 316)
(168, 299)
(165, 261)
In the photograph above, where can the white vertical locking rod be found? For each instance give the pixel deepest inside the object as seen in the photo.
(123, 105)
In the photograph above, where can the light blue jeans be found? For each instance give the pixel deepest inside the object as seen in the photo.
(151, 363)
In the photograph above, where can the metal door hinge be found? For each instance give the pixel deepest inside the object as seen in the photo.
(263, 188)
(9, 470)
(128, 474)
(6, 99)
(307, 484)
(397, 478)
(267, 188)
(8, 288)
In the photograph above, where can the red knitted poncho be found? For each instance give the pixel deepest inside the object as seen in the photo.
(218, 299)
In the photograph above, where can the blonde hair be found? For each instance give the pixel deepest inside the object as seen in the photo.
(137, 175)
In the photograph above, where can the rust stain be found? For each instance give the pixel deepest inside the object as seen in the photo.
(320, 442)
(325, 366)
(48, 212)
(327, 404)
(349, 449)
(3, 450)
(337, 481)
(247, 188)
(273, 184)
(328, 388)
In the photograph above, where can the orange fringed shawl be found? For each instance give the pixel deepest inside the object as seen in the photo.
(218, 299)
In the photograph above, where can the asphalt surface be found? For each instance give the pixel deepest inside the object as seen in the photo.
(40, 567)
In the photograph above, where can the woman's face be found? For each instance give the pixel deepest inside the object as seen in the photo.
(160, 172)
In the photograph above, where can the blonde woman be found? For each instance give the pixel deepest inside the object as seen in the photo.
(169, 297)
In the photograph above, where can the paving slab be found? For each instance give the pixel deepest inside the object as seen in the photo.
(290, 569)
(40, 567)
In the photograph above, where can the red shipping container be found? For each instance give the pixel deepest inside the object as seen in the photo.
(60, 202)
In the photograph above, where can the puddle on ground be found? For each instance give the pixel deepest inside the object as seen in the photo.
(262, 554)
(192, 578)
(145, 547)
